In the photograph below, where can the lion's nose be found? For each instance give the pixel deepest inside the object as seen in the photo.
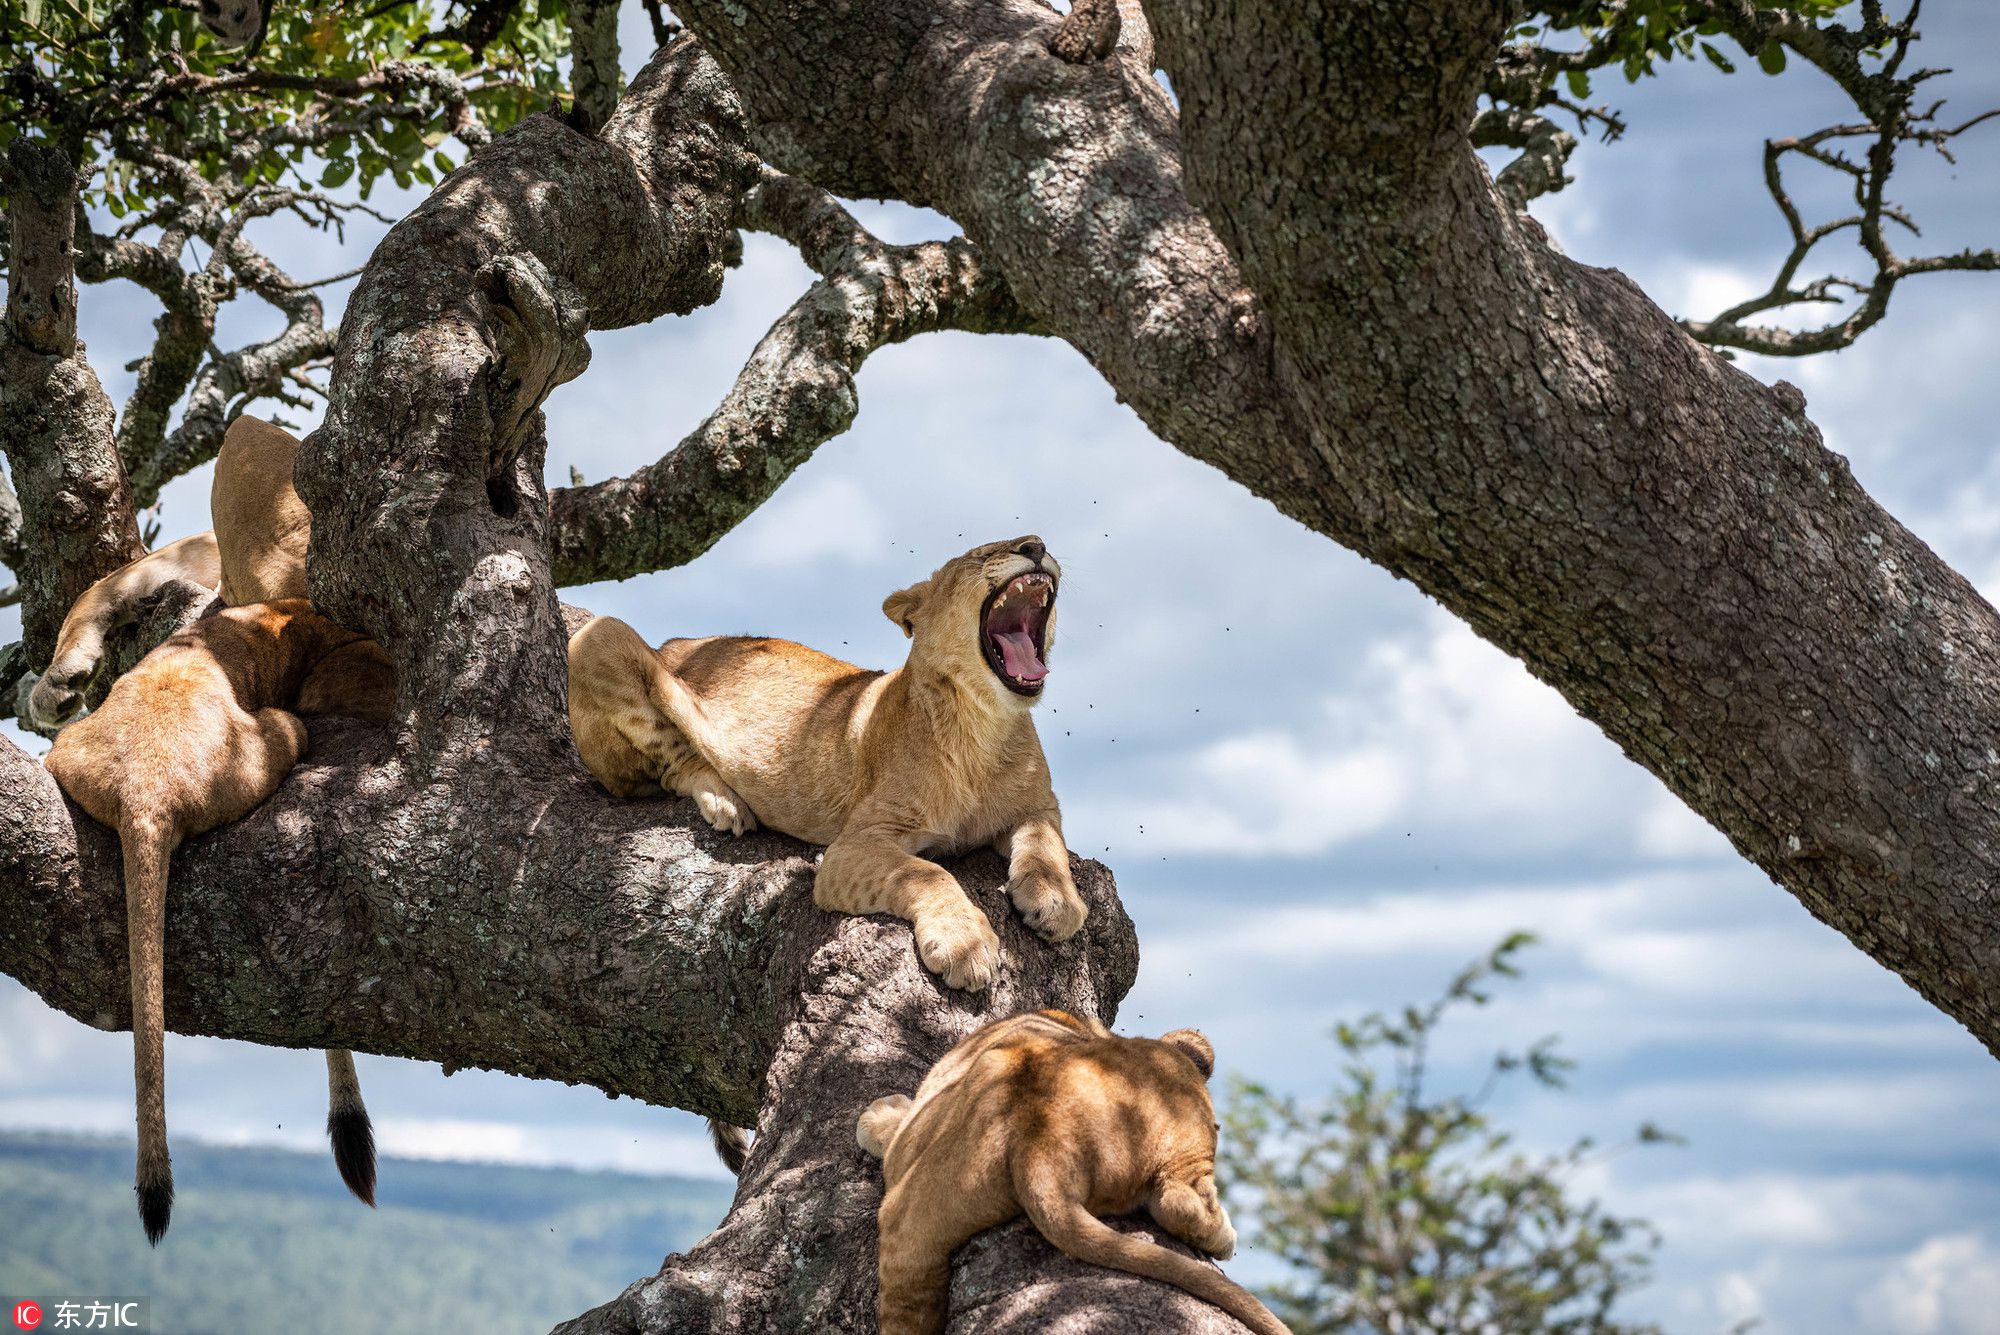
(1033, 549)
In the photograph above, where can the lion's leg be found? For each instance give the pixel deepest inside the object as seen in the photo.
(1038, 879)
(627, 742)
(717, 801)
(878, 1125)
(284, 737)
(1192, 1212)
(915, 1270)
(868, 871)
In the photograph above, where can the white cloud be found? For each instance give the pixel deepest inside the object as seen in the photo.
(1446, 734)
(1949, 1285)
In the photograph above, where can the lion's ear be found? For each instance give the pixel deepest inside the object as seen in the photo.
(901, 606)
(1195, 1047)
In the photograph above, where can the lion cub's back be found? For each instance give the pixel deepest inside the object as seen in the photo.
(144, 747)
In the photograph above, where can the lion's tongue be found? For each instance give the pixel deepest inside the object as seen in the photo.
(1022, 659)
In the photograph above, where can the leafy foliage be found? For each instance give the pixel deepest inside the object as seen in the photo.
(1400, 1211)
(367, 89)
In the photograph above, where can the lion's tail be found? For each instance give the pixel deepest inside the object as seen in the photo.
(677, 703)
(1075, 1230)
(348, 1127)
(148, 849)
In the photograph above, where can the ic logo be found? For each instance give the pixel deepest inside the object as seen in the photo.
(27, 1315)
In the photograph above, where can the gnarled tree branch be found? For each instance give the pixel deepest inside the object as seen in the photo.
(1422, 378)
(795, 393)
(76, 516)
(582, 938)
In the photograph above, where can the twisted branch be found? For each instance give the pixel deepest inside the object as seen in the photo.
(794, 394)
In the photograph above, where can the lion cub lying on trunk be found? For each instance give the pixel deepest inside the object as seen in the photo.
(256, 554)
(1057, 1118)
(192, 738)
(939, 756)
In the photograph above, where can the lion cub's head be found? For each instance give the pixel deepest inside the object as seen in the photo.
(990, 613)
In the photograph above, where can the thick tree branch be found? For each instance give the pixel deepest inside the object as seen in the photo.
(1067, 177)
(425, 482)
(76, 517)
(795, 393)
(593, 54)
(563, 934)
(1529, 440)
(1663, 539)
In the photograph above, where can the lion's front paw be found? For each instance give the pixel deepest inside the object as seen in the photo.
(1222, 1245)
(725, 810)
(1051, 906)
(960, 946)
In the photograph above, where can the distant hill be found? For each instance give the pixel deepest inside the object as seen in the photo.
(269, 1240)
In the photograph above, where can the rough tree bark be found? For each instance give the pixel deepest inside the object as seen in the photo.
(621, 944)
(74, 504)
(1316, 289)
(1421, 377)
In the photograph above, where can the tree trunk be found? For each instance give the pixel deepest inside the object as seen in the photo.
(455, 888)
(55, 420)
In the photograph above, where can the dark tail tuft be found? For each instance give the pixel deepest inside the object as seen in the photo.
(732, 1144)
(353, 1137)
(156, 1203)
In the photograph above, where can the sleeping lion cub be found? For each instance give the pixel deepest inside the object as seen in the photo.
(1059, 1119)
(938, 756)
(256, 554)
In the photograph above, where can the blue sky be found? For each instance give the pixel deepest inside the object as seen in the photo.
(1319, 792)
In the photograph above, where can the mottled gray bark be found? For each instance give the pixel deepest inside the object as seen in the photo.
(76, 521)
(1421, 377)
(429, 512)
(595, 80)
(527, 922)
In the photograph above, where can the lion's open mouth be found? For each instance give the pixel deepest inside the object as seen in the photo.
(1015, 630)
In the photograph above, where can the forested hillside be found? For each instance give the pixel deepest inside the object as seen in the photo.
(269, 1239)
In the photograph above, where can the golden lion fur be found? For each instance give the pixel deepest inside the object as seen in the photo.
(936, 757)
(1057, 1118)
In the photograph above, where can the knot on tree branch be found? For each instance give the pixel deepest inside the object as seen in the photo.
(536, 324)
(1089, 32)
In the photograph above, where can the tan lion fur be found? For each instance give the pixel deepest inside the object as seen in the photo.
(1057, 1118)
(102, 608)
(936, 757)
(196, 736)
(255, 553)
(262, 528)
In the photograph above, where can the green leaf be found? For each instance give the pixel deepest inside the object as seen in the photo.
(337, 173)
(1772, 58)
